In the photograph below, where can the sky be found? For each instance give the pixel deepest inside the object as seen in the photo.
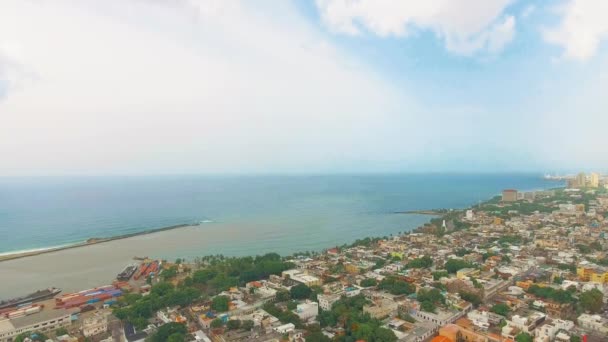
(223, 86)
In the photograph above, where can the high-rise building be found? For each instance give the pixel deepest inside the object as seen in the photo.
(509, 195)
(581, 180)
(594, 180)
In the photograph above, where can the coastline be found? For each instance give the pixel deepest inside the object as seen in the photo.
(91, 241)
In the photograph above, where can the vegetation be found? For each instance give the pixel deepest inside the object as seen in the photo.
(169, 273)
(440, 274)
(559, 296)
(348, 314)
(454, 265)
(423, 262)
(300, 291)
(567, 267)
(138, 309)
(33, 336)
(217, 323)
(222, 273)
(523, 337)
(61, 331)
(169, 332)
(396, 286)
(220, 303)
(470, 297)
(429, 299)
(501, 309)
(285, 316)
(233, 324)
(368, 282)
(592, 300)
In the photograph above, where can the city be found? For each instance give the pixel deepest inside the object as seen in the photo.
(523, 266)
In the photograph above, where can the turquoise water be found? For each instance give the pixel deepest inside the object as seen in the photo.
(310, 210)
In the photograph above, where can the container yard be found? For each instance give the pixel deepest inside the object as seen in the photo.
(146, 269)
(87, 297)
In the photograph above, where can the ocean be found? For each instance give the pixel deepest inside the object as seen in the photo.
(283, 213)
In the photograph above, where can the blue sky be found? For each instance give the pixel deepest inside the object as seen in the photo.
(208, 86)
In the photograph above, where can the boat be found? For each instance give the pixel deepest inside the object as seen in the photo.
(32, 297)
(127, 273)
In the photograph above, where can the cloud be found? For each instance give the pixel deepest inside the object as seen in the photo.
(582, 28)
(187, 86)
(466, 26)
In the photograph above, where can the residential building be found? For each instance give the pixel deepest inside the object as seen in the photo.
(96, 324)
(307, 310)
(509, 195)
(326, 301)
(593, 323)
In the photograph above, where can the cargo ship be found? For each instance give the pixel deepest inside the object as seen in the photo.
(127, 273)
(32, 297)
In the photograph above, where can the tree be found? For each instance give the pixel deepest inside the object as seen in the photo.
(501, 309)
(384, 335)
(396, 286)
(300, 291)
(170, 330)
(427, 306)
(34, 336)
(61, 331)
(367, 282)
(423, 262)
(220, 303)
(592, 300)
(454, 265)
(247, 324)
(523, 337)
(233, 324)
(176, 337)
(217, 323)
(283, 295)
(470, 297)
(575, 338)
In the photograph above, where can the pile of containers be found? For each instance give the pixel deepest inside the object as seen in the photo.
(91, 296)
(23, 310)
(146, 269)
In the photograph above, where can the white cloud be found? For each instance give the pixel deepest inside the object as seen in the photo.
(582, 28)
(197, 86)
(466, 26)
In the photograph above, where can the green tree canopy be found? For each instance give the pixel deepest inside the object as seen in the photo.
(220, 303)
(300, 291)
(501, 309)
(592, 300)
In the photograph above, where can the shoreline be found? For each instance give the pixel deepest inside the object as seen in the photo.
(89, 242)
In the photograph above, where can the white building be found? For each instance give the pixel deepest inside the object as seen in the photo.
(96, 324)
(307, 310)
(283, 329)
(299, 277)
(593, 323)
(548, 332)
(326, 301)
